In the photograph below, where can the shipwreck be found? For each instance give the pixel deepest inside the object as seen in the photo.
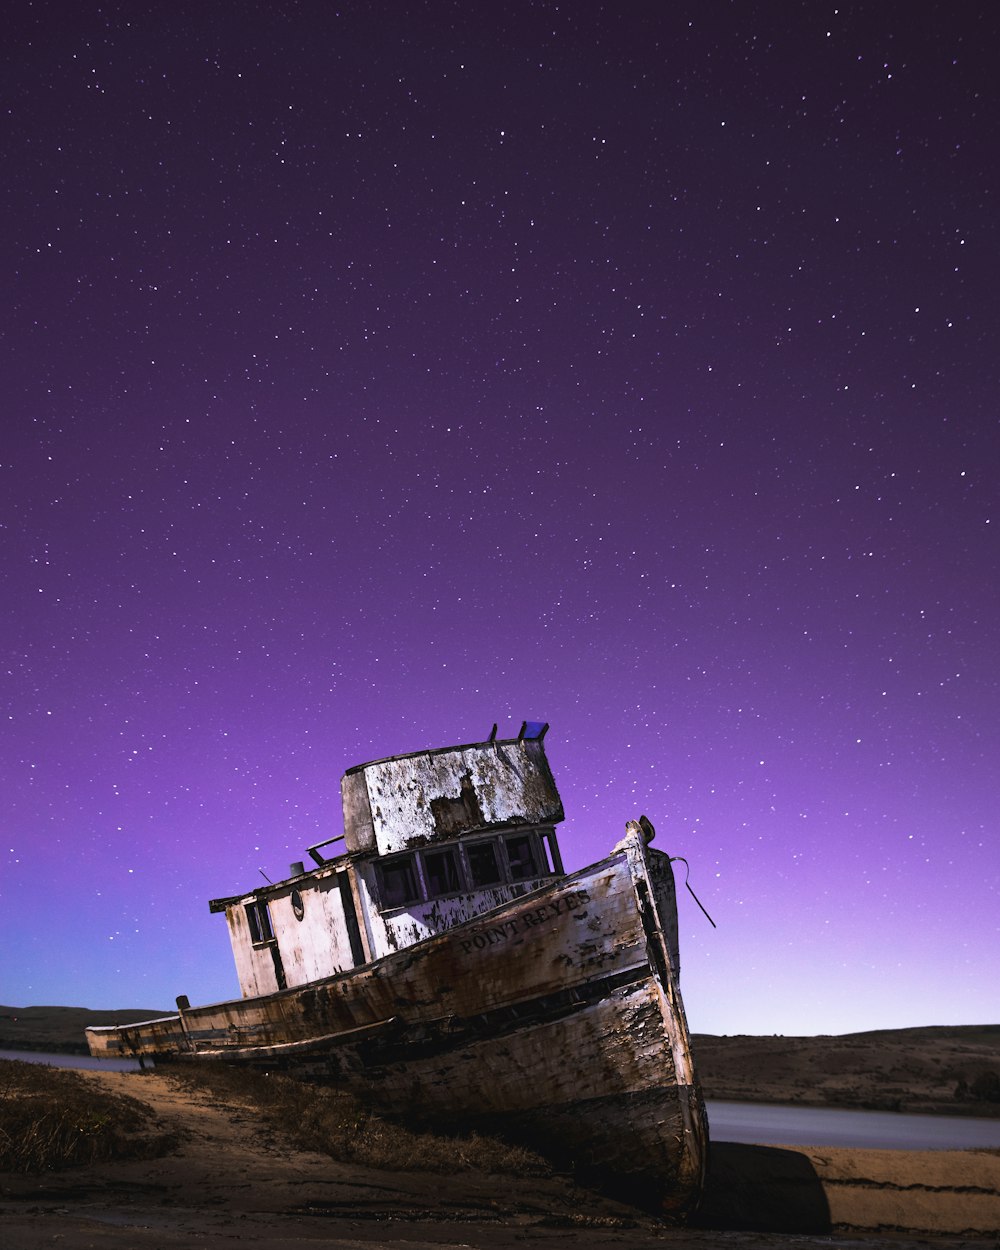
(436, 958)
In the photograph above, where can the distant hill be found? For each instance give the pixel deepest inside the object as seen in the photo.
(953, 1069)
(59, 1028)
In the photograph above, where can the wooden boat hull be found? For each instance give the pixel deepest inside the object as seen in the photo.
(556, 1019)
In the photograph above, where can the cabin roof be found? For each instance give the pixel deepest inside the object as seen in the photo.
(274, 887)
(531, 729)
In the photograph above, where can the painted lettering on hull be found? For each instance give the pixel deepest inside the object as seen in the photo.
(494, 935)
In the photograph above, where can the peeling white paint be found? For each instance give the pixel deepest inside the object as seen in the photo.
(411, 800)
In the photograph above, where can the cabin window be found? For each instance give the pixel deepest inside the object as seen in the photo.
(483, 866)
(298, 907)
(521, 857)
(550, 849)
(441, 873)
(259, 922)
(398, 882)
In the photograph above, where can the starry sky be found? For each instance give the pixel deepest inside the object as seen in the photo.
(375, 372)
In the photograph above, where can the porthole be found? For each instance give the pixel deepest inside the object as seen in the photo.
(297, 905)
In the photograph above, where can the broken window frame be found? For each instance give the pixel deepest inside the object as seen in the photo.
(259, 922)
(534, 861)
(389, 898)
(551, 858)
(456, 878)
(474, 848)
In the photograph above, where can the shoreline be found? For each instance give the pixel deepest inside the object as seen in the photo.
(943, 1111)
(956, 1110)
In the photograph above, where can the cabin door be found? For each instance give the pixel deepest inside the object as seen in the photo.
(351, 918)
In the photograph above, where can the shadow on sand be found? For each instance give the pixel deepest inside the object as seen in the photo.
(762, 1188)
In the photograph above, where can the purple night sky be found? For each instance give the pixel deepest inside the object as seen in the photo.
(375, 372)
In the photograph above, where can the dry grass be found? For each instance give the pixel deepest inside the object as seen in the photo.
(53, 1118)
(332, 1122)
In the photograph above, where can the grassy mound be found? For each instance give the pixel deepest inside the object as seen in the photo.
(335, 1123)
(54, 1118)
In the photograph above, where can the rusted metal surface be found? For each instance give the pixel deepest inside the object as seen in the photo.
(406, 801)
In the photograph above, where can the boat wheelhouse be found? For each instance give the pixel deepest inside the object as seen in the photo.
(431, 839)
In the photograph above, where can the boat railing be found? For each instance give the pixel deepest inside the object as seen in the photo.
(315, 853)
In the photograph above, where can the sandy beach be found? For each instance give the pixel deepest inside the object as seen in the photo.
(232, 1180)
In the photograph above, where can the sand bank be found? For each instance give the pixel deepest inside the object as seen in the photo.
(231, 1181)
(951, 1193)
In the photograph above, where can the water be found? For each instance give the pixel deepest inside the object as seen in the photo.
(57, 1060)
(771, 1125)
